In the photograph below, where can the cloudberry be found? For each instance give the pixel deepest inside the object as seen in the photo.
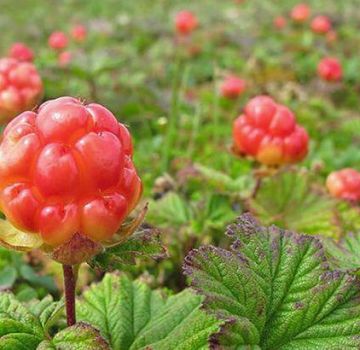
(320, 25)
(300, 13)
(64, 58)
(21, 52)
(268, 132)
(58, 41)
(185, 22)
(232, 87)
(21, 88)
(78, 33)
(330, 69)
(280, 22)
(67, 169)
(344, 184)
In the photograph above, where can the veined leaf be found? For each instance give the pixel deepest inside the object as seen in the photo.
(275, 291)
(288, 200)
(131, 316)
(78, 337)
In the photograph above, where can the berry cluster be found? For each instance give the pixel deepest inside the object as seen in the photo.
(67, 169)
(21, 88)
(344, 184)
(268, 132)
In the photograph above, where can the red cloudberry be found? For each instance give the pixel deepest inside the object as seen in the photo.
(344, 184)
(232, 87)
(330, 69)
(58, 40)
(268, 132)
(20, 88)
(64, 58)
(280, 22)
(67, 169)
(185, 22)
(78, 33)
(331, 36)
(300, 13)
(21, 52)
(320, 25)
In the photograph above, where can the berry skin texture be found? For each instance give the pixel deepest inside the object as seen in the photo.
(67, 169)
(58, 41)
(344, 184)
(280, 22)
(232, 87)
(329, 69)
(321, 25)
(21, 88)
(79, 33)
(268, 132)
(185, 22)
(300, 13)
(21, 52)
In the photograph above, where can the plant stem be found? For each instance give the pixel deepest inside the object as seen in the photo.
(69, 284)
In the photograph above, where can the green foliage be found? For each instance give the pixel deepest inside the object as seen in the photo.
(131, 316)
(275, 291)
(288, 199)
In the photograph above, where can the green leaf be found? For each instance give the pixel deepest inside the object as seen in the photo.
(8, 277)
(19, 328)
(289, 200)
(346, 253)
(28, 274)
(131, 316)
(78, 337)
(142, 244)
(276, 291)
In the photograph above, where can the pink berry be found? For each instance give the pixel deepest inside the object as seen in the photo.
(330, 69)
(232, 87)
(79, 33)
(344, 184)
(58, 40)
(300, 13)
(321, 25)
(21, 52)
(64, 58)
(280, 22)
(185, 22)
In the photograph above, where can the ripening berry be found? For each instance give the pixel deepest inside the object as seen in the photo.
(331, 36)
(58, 41)
(21, 52)
(330, 69)
(185, 22)
(268, 132)
(232, 87)
(300, 13)
(280, 22)
(64, 58)
(321, 25)
(79, 33)
(67, 168)
(344, 184)
(21, 88)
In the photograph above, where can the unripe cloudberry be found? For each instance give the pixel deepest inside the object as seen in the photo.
(79, 33)
(280, 22)
(268, 132)
(185, 22)
(344, 184)
(330, 69)
(300, 13)
(232, 87)
(21, 52)
(320, 25)
(58, 40)
(67, 169)
(21, 88)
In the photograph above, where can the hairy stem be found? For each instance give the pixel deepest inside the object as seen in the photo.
(69, 284)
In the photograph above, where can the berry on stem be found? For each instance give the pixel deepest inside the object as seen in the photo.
(185, 22)
(67, 170)
(21, 88)
(321, 25)
(268, 132)
(58, 40)
(232, 87)
(344, 184)
(330, 69)
(300, 13)
(21, 52)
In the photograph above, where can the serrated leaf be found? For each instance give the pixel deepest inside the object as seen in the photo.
(142, 244)
(131, 316)
(288, 200)
(19, 329)
(276, 291)
(78, 337)
(346, 253)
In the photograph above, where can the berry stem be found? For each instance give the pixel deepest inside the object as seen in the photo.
(69, 284)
